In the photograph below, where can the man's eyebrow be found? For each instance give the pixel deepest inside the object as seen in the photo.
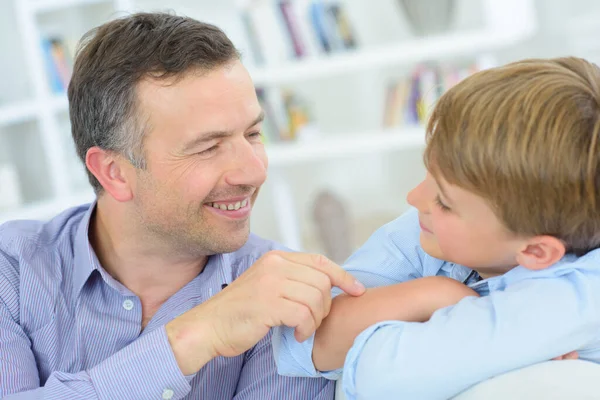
(212, 135)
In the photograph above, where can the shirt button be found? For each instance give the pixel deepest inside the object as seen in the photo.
(128, 304)
(167, 394)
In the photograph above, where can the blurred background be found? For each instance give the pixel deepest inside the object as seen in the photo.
(346, 86)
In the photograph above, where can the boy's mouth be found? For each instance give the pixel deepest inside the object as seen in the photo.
(423, 228)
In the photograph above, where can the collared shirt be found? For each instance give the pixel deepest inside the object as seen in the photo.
(69, 330)
(523, 317)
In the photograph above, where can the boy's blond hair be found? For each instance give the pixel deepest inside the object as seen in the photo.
(524, 137)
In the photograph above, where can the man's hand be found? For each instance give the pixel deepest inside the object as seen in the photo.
(281, 288)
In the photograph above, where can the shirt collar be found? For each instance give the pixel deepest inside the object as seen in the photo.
(85, 260)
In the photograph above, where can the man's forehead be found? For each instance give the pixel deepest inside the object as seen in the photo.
(219, 86)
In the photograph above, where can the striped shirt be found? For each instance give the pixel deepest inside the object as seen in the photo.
(68, 330)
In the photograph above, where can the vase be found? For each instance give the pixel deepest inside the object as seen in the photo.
(428, 17)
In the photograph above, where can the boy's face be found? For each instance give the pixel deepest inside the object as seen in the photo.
(460, 227)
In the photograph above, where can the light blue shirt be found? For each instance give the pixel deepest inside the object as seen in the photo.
(523, 317)
(69, 330)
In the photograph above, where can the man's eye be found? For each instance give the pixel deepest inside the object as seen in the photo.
(209, 150)
(255, 135)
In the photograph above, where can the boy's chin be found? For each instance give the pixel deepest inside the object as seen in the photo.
(430, 246)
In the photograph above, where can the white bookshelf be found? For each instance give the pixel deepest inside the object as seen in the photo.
(18, 112)
(505, 23)
(59, 103)
(24, 111)
(332, 147)
(408, 52)
(280, 155)
(46, 209)
(41, 6)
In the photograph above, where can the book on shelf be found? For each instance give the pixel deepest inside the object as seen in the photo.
(343, 27)
(287, 115)
(410, 100)
(278, 31)
(58, 61)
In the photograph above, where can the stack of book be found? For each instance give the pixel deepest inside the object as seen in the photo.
(409, 101)
(287, 115)
(281, 30)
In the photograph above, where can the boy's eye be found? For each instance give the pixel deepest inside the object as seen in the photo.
(441, 204)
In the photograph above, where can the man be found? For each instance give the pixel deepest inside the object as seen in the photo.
(157, 290)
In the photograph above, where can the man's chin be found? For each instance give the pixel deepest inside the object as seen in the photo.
(230, 243)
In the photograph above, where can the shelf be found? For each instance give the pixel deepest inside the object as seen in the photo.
(18, 112)
(279, 155)
(46, 209)
(339, 146)
(59, 103)
(24, 111)
(411, 51)
(41, 6)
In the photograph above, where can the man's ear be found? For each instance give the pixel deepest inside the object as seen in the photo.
(110, 170)
(541, 252)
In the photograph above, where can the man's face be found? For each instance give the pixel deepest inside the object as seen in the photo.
(460, 227)
(205, 160)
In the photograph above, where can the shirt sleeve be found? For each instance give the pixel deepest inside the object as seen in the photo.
(259, 379)
(532, 321)
(391, 255)
(147, 368)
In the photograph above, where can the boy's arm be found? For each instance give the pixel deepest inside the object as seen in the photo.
(412, 301)
(531, 321)
(391, 255)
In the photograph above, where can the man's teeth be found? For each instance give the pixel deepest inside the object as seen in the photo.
(232, 206)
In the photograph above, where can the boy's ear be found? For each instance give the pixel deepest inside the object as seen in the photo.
(110, 170)
(541, 252)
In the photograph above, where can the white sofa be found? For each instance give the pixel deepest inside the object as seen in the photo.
(552, 380)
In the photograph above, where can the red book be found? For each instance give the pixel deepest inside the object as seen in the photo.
(291, 23)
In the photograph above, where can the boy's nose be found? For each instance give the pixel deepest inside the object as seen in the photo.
(418, 198)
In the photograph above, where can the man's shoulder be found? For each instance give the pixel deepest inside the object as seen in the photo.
(21, 240)
(256, 246)
(33, 255)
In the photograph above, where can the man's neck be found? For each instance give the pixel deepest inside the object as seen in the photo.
(153, 275)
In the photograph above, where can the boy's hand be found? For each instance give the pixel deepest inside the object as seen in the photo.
(569, 356)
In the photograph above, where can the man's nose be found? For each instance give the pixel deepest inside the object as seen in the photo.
(248, 165)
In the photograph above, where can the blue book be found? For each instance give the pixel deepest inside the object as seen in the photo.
(318, 18)
(56, 84)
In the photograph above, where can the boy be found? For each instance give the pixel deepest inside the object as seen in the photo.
(510, 207)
